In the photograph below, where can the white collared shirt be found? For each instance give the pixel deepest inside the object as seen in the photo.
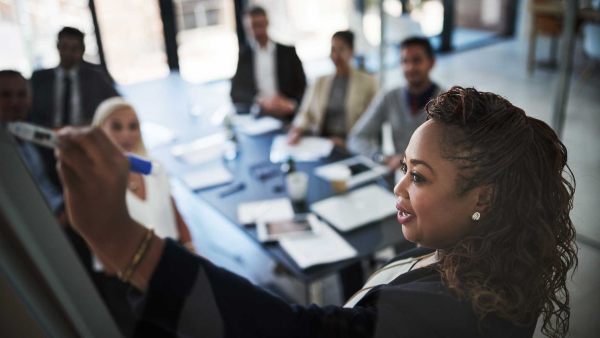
(76, 110)
(265, 69)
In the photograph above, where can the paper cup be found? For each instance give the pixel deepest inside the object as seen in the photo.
(296, 184)
(338, 176)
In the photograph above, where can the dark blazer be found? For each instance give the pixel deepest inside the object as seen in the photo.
(191, 297)
(101, 69)
(94, 89)
(93, 86)
(291, 81)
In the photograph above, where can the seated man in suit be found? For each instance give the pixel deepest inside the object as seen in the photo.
(70, 93)
(268, 74)
(403, 106)
(15, 104)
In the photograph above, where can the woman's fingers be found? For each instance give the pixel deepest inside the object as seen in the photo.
(79, 139)
(68, 176)
(90, 153)
(73, 158)
(110, 150)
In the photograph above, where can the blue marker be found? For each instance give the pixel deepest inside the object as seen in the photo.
(47, 138)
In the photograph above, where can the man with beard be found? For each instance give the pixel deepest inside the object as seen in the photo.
(403, 107)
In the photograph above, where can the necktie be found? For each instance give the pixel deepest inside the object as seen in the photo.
(66, 113)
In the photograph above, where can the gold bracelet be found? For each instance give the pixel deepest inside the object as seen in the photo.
(138, 256)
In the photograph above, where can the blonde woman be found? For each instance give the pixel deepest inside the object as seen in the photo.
(148, 197)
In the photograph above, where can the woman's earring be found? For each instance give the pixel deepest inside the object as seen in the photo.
(476, 216)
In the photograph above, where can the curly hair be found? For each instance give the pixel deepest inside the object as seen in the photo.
(515, 263)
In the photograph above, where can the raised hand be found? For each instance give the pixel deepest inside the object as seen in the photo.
(94, 175)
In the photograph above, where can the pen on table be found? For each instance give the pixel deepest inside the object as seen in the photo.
(47, 138)
(233, 189)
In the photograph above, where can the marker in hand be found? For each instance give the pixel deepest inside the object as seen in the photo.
(47, 138)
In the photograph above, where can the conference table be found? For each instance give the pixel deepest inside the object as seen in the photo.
(254, 151)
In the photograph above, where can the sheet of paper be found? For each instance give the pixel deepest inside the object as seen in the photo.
(357, 208)
(209, 176)
(326, 246)
(156, 135)
(204, 149)
(203, 155)
(239, 120)
(309, 149)
(260, 126)
(268, 210)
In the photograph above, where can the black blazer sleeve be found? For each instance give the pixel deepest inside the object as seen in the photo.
(191, 297)
(290, 73)
(243, 83)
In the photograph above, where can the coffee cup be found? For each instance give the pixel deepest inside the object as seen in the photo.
(338, 176)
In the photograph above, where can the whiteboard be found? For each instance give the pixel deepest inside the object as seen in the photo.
(39, 262)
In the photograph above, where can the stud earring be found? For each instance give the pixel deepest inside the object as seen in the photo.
(476, 216)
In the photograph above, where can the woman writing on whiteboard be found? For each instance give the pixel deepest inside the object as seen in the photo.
(486, 188)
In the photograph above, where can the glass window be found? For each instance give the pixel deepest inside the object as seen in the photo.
(430, 14)
(207, 39)
(133, 40)
(309, 25)
(479, 21)
(29, 28)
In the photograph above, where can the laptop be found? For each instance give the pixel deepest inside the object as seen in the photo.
(357, 208)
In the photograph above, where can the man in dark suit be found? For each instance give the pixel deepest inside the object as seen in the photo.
(70, 93)
(269, 75)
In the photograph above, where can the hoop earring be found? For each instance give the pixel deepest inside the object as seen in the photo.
(476, 216)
